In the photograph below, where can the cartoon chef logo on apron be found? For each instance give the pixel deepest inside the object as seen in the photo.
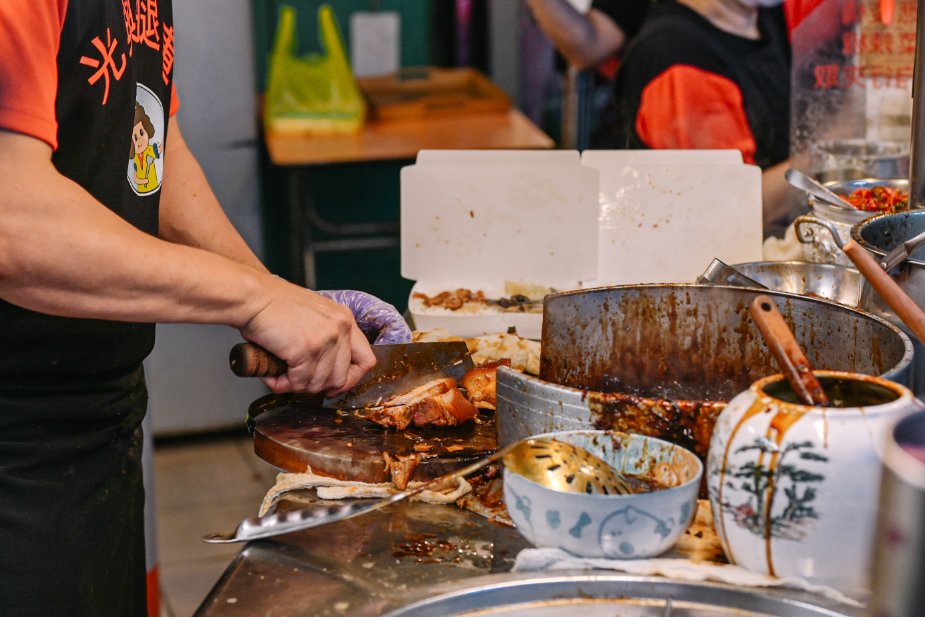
(146, 156)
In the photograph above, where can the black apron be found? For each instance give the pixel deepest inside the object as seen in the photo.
(72, 500)
(72, 392)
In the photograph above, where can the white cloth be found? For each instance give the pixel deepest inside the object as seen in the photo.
(533, 559)
(788, 248)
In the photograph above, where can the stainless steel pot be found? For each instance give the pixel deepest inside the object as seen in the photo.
(663, 360)
(848, 159)
(879, 235)
(828, 227)
(899, 559)
(830, 281)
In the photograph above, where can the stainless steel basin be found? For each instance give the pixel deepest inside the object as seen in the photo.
(829, 281)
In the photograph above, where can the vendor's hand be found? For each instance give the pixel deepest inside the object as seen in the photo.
(373, 316)
(317, 338)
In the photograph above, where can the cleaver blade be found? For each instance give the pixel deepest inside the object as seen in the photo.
(403, 367)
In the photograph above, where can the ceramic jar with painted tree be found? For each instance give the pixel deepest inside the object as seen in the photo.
(794, 488)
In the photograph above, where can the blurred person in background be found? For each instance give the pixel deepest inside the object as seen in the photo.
(589, 36)
(587, 39)
(711, 74)
(692, 74)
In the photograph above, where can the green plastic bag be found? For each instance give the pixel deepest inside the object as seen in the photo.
(315, 93)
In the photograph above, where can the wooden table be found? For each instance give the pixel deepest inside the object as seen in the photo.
(380, 141)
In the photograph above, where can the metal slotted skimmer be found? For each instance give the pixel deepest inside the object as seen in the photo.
(563, 467)
(555, 464)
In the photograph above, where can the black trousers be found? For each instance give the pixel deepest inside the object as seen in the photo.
(72, 499)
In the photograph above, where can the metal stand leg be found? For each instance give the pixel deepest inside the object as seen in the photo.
(576, 110)
(917, 154)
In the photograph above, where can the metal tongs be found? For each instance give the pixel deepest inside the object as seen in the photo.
(810, 186)
(902, 252)
(720, 273)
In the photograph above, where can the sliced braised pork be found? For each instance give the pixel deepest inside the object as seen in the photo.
(401, 468)
(436, 403)
(481, 383)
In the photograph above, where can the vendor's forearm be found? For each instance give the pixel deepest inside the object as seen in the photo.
(189, 211)
(781, 202)
(64, 253)
(583, 39)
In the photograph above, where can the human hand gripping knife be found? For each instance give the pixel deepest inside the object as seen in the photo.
(399, 368)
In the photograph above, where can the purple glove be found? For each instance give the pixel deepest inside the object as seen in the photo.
(373, 316)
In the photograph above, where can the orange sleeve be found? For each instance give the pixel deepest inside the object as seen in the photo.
(796, 11)
(174, 101)
(689, 108)
(29, 37)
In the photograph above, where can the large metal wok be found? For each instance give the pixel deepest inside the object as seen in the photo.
(664, 360)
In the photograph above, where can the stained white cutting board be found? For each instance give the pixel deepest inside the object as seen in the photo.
(665, 219)
(499, 221)
(498, 157)
(619, 158)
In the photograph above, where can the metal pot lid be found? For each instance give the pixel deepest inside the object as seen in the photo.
(603, 594)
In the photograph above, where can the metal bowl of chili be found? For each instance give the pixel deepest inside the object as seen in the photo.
(819, 246)
(872, 195)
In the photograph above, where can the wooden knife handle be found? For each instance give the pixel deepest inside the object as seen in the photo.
(898, 300)
(250, 360)
(787, 351)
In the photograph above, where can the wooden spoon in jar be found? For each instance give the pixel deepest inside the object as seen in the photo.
(787, 351)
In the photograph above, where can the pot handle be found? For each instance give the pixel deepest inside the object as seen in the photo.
(806, 236)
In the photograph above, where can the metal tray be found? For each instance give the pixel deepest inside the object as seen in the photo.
(610, 595)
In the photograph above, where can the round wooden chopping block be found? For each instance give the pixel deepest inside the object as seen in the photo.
(294, 433)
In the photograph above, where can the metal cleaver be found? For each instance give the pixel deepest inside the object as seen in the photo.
(399, 368)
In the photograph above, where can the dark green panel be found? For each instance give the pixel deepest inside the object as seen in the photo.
(415, 27)
(357, 192)
(360, 193)
(373, 271)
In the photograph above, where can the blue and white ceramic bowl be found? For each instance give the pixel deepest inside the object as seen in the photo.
(613, 526)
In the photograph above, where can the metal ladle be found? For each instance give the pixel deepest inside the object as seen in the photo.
(555, 464)
(799, 180)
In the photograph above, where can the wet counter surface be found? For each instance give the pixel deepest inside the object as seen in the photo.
(386, 560)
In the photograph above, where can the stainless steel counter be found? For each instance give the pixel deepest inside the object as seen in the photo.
(421, 559)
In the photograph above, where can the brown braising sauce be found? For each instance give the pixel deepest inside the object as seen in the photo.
(841, 392)
(644, 484)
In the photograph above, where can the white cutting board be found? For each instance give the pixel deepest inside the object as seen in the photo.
(600, 159)
(497, 222)
(664, 223)
(498, 157)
